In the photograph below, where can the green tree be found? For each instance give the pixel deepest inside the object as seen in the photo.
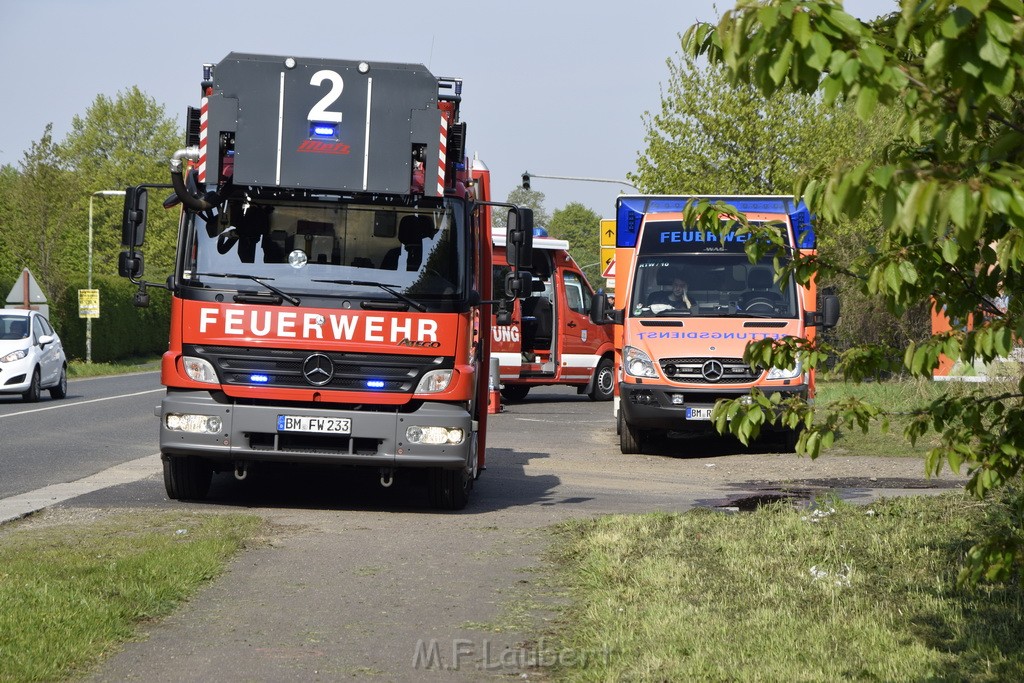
(39, 226)
(530, 199)
(581, 227)
(8, 266)
(716, 136)
(949, 197)
(119, 142)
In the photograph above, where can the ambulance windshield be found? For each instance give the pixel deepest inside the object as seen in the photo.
(724, 284)
(307, 248)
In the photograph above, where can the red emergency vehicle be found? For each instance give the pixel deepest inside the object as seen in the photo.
(331, 290)
(550, 338)
(692, 302)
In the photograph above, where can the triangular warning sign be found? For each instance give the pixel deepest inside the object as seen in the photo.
(609, 271)
(26, 284)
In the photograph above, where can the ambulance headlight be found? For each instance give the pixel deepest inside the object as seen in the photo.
(435, 381)
(435, 436)
(637, 363)
(783, 373)
(194, 424)
(199, 369)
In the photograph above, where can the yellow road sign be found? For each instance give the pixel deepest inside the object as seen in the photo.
(608, 232)
(88, 303)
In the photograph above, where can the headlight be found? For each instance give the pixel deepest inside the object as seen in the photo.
(196, 424)
(435, 436)
(434, 382)
(637, 363)
(198, 369)
(14, 355)
(783, 373)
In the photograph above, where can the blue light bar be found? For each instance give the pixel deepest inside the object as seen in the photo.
(374, 384)
(259, 379)
(540, 231)
(631, 209)
(323, 131)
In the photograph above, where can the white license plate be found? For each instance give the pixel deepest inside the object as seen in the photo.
(698, 413)
(314, 425)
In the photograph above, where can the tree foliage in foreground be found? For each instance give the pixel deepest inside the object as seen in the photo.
(713, 136)
(950, 197)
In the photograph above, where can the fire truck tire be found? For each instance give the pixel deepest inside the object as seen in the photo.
(631, 439)
(449, 489)
(187, 478)
(604, 381)
(515, 392)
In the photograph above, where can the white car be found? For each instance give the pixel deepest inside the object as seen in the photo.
(31, 356)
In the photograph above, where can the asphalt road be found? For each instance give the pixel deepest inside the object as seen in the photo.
(367, 583)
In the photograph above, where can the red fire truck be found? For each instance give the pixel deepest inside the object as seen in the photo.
(332, 283)
(549, 338)
(692, 302)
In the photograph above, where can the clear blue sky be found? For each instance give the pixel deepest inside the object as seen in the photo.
(557, 87)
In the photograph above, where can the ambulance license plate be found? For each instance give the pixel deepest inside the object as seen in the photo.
(314, 425)
(699, 413)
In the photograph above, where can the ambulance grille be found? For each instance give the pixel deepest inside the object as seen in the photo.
(704, 370)
(283, 368)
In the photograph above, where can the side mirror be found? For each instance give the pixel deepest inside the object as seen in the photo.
(518, 284)
(133, 223)
(130, 264)
(598, 306)
(601, 312)
(519, 237)
(829, 311)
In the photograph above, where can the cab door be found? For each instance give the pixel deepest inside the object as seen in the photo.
(578, 339)
(506, 340)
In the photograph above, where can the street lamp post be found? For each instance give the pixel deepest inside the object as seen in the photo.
(88, 321)
(527, 175)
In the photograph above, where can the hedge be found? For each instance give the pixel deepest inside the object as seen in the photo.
(122, 331)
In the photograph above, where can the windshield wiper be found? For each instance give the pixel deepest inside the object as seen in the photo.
(293, 300)
(366, 283)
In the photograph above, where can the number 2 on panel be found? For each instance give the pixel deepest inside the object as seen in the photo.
(319, 112)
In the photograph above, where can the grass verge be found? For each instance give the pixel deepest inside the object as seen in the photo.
(72, 593)
(78, 369)
(898, 398)
(835, 593)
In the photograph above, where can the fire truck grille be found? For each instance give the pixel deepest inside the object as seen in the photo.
(329, 370)
(708, 370)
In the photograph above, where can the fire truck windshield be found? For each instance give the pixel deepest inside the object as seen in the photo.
(332, 249)
(727, 284)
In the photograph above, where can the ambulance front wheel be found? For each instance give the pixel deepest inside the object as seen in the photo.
(604, 381)
(631, 439)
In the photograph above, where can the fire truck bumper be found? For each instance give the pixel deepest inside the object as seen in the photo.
(677, 409)
(434, 435)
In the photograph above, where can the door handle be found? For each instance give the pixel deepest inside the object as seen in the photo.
(571, 324)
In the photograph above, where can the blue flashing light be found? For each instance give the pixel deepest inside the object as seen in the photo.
(631, 209)
(540, 231)
(259, 379)
(374, 384)
(323, 131)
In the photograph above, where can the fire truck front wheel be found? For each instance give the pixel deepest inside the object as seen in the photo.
(449, 489)
(187, 477)
(515, 392)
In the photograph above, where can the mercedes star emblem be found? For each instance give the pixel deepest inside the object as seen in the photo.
(712, 370)
(318, 369)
